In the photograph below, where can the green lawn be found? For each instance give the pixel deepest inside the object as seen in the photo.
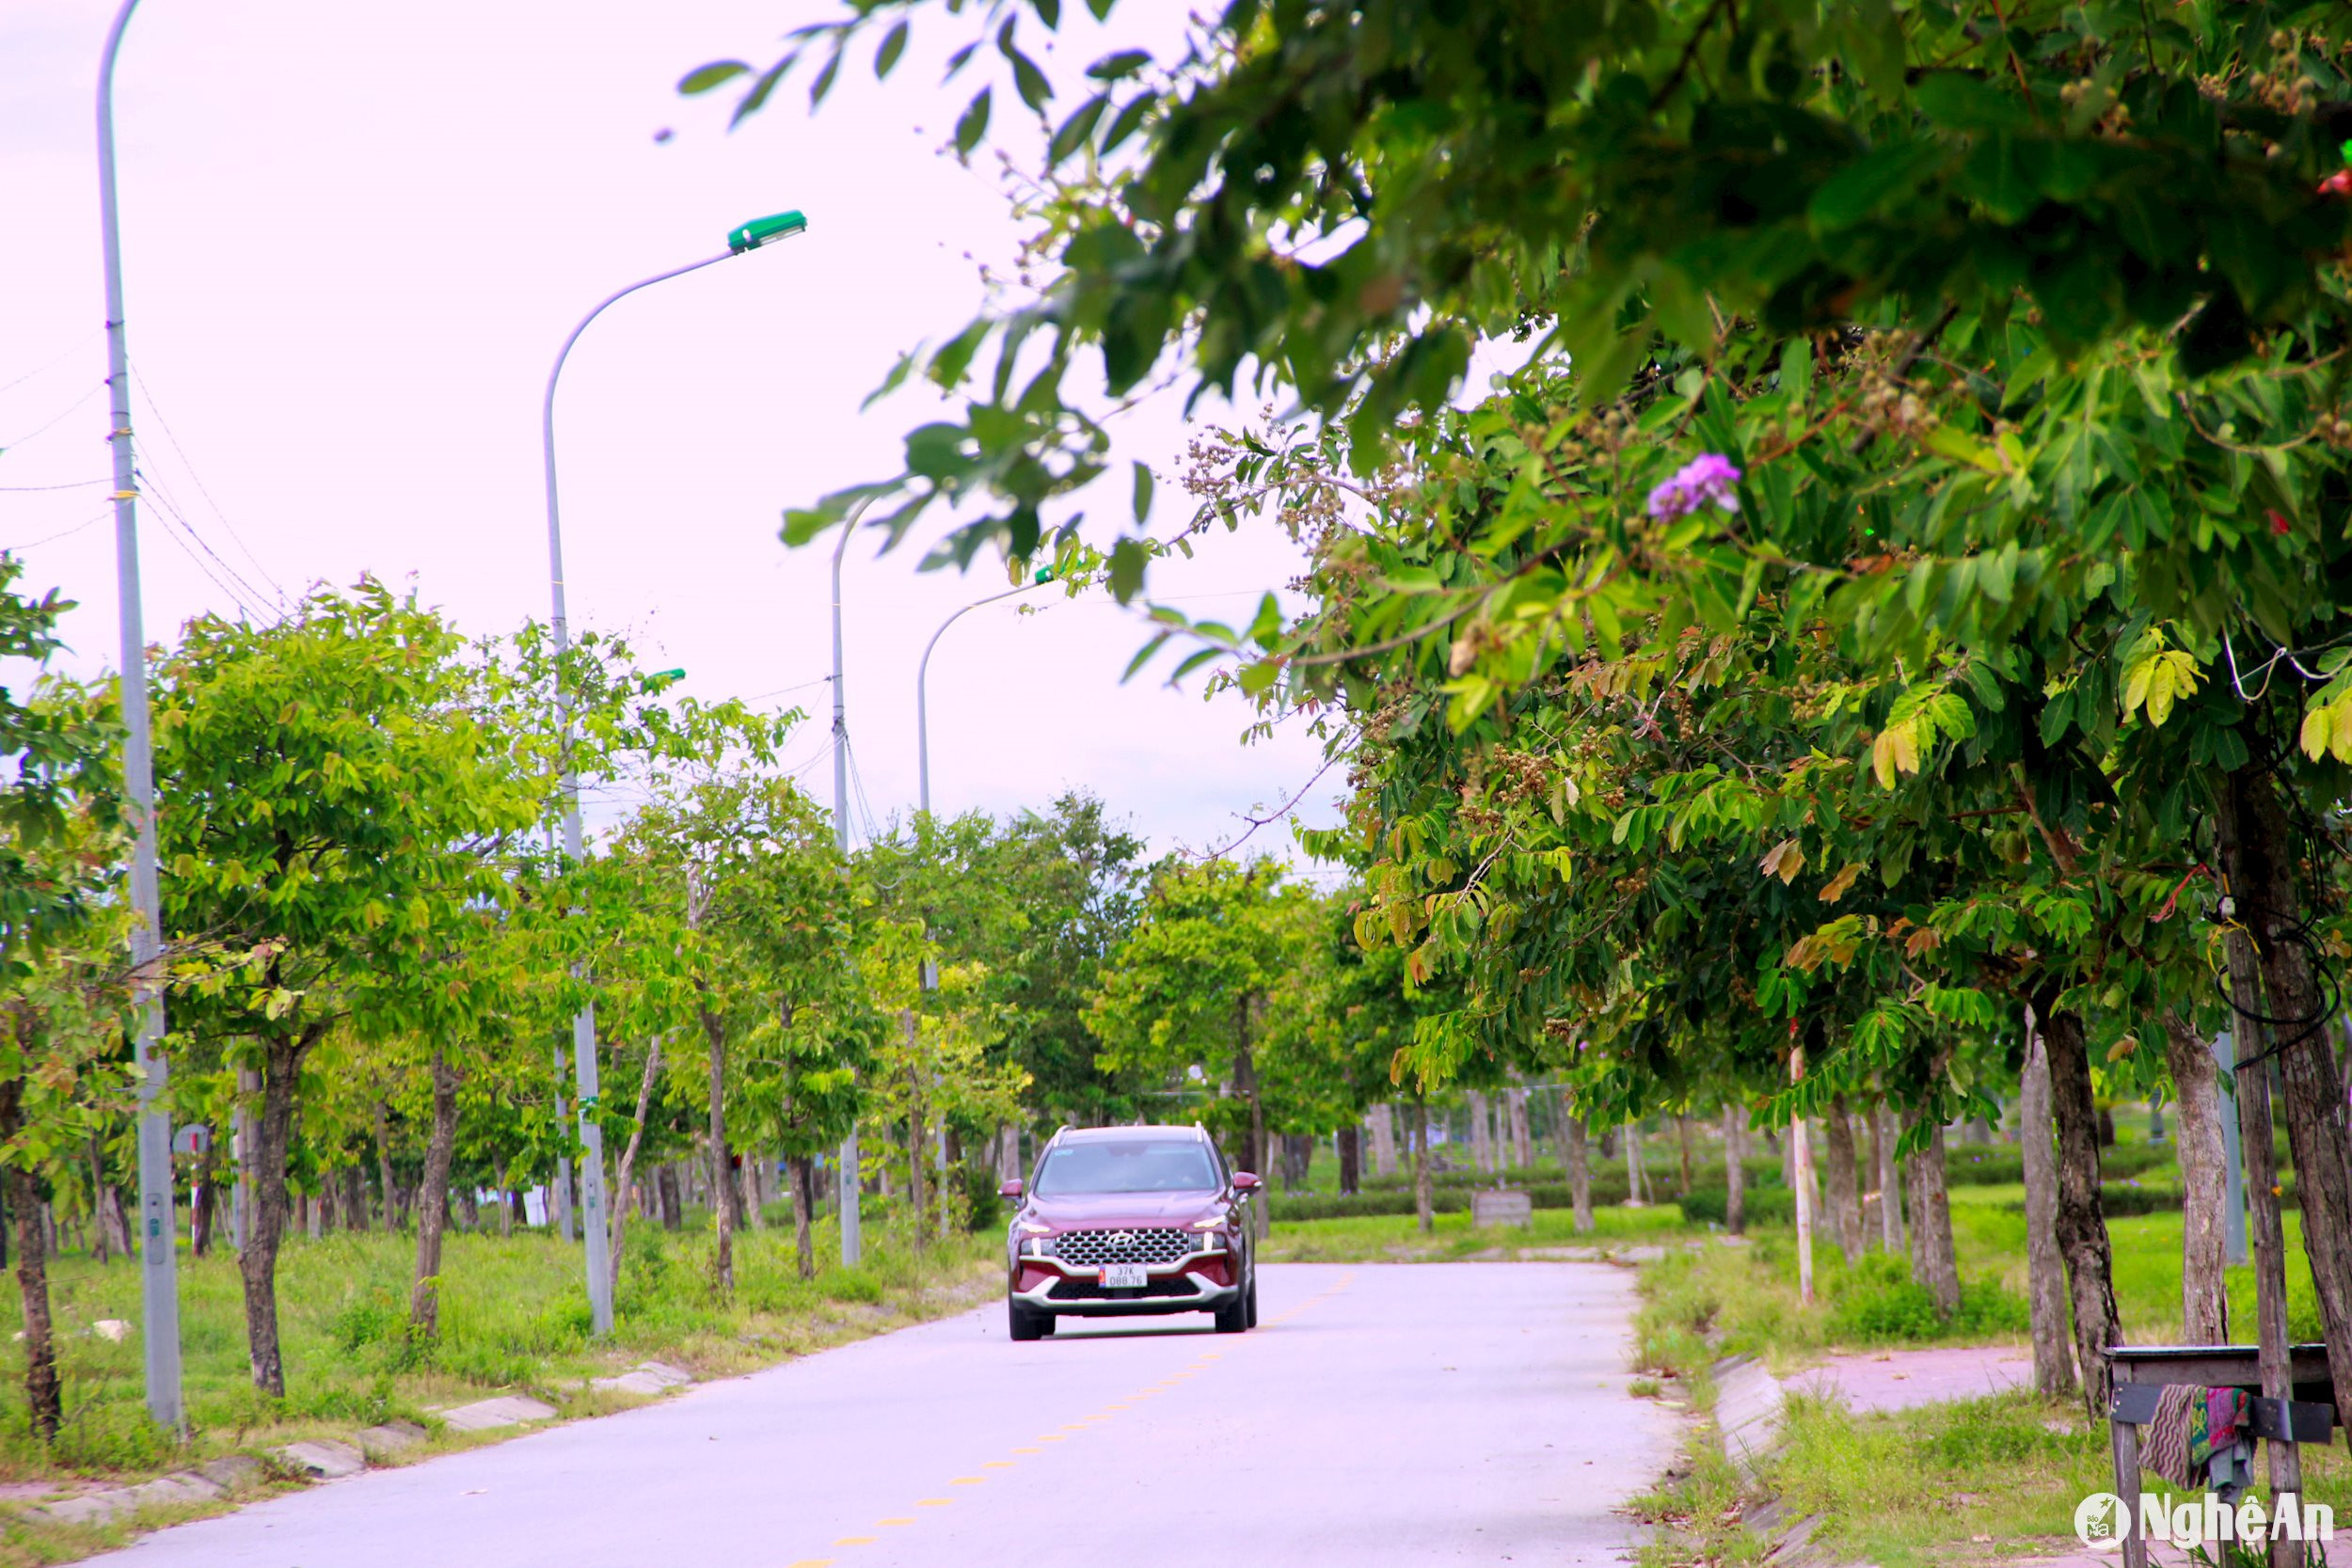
(513, 1318)
(1395, 1238)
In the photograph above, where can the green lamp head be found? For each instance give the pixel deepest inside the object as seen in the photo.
(764, 231)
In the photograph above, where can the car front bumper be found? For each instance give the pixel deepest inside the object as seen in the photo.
(1070, 1291)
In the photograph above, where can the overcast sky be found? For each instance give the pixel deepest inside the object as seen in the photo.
(354, 238)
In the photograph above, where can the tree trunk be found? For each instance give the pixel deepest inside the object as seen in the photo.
(1682, 1136)
(1246, 1084)
(2264, 1233)
(1845, 1187)
(281, 1075)
(204, 1207)
(101, 1232)
(1580, 1162)
(354, 1199)
(2258, 853)
(1932, 1262)
(1890, 1181)
(804, 1237)
(2082, 1225)
(629, 1162)
(1424, 1215)
(424, 1296)
(2197, 1144)
(1735, 1172)
(2045, 1268)
(722, 1194)
(673, 1205)
(1351, 1152)
(1636, 1189)
(1481, 1140)
(1381, 1119)
(44, 1396)
(395, 1216)
(1522, 1136)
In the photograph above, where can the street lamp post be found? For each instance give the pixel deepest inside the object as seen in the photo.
(752, 236)
(923, 757)
(922, 673)
(845, 1179)
(159, 1288)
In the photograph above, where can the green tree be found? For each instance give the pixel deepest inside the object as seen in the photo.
(1189, 990)
(326, 792)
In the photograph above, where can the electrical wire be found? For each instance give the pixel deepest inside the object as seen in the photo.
(77, 484)
(139, 384)
(249, 598)
(88, 522)
(63, 355)
(54, 422)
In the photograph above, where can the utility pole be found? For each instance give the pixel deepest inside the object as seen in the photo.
(852, 1237)
(159, 1240)
(754, 235)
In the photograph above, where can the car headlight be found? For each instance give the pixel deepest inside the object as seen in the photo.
(1031, 1227)
(1215, 1222)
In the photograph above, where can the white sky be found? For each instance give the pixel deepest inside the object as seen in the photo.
(354, 241)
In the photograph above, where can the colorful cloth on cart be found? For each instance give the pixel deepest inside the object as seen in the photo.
(2219, 1420)
(2164, 1441)
(2198, 1434)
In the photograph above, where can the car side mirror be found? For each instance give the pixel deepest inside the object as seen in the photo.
(1013, 1189)
(1245, 1183)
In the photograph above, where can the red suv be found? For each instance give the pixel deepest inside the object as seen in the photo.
(1119, 1221)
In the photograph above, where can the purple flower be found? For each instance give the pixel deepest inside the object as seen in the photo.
(1707, 478)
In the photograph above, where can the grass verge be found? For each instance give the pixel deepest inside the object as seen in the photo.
(513, 1319)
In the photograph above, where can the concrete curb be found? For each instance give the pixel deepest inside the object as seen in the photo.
(324, 1459)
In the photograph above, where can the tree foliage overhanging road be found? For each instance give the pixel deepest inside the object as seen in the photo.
(1892, 632)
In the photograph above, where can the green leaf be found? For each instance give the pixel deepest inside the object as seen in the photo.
(1116, 68)
(1077, 128)
(894, 45)
(974, 123)
(1869, 184)
(1143, 493)
(1123, 125)
(1035, 90)
(1128, 560)
(710, 76)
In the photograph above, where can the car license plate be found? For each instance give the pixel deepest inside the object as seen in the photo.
(1125, 1277)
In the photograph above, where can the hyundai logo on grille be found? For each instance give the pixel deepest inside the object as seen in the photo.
(1155, 1247)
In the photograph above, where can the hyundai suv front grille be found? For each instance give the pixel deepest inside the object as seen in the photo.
(1093, 1248)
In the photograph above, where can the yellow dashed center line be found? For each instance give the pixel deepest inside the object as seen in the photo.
(1206, 1362)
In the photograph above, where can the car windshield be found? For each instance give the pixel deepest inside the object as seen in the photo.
(1074, 1169)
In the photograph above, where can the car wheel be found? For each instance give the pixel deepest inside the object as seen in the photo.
(1233, 1317)
(1252, 1298)
(1024, 1325)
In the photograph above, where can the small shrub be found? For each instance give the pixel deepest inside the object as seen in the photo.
(851, 1285)
(1879, 1301)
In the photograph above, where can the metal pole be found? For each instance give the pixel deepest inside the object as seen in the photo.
(853, 1238)
(922, 674)
(561, 1199)
(591, 1218)
(2234, 1190)
(159, 1286)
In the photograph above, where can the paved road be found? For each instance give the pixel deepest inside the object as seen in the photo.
(1457, 1412)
